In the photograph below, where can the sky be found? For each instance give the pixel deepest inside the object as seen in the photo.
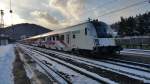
(55, 14)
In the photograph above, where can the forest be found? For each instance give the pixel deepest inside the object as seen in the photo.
(133, 26)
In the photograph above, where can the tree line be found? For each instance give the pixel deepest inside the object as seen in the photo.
(133, 26)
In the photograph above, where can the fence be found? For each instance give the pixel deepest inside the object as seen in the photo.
(140, 42)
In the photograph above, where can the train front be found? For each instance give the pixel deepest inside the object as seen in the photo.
(105, 41)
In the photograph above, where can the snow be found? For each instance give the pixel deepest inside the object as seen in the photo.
(7, 57)
(115, 68)
(60, 80)
(75, 77)
(28, 69)
(133, 73)
(136, 52)
(140, 75)
(126, 49)
(77, 68)
(134, 66)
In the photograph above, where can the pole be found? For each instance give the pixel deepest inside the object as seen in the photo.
(11, 12)
(2, 19)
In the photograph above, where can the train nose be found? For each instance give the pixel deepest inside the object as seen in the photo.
(104, 42)
(106, 45)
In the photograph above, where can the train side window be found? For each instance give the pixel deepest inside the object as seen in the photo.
(49, 38)
(74, 36)
(85, 31)
(53, 38)
(62, 37)
(68, 39)
(57, 37)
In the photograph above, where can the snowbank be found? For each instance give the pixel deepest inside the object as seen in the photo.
(7, 56)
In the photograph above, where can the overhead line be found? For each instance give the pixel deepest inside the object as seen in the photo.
(121, 9)
(109, 2)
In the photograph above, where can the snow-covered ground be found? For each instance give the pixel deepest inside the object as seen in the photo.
(133, 73)
(75, 77)
(129, 70)
(136, 52)
(7, 57)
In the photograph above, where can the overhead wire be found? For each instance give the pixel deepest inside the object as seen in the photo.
(124, 8)
(102, 5)
(118, 10)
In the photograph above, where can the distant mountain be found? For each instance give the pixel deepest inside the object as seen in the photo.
(18, 31)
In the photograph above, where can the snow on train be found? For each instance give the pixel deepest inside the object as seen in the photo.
(91, 36)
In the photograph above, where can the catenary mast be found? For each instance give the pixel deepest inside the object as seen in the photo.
(2, 19)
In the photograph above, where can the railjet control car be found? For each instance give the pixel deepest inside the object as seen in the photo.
(92, 36)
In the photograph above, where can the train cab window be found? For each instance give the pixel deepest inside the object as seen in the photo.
(85, 31)
(74, 36)
(102, 30)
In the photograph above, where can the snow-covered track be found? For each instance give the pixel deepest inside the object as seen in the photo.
(78, 69)
(114, 67)
(136, 55)
(129, 62)
(57, 78)
(126, 64)
(136, 52)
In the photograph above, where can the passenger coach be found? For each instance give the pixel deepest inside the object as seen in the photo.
(91, 36)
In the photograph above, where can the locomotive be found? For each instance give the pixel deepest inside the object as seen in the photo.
(90, 36)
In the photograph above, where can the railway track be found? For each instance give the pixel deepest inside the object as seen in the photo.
(129, 62)
(90, 75)
(136, 52)
(59, 79)
(118, 69)
(132, 65)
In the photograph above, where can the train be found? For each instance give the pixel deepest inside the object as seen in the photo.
(91, 36)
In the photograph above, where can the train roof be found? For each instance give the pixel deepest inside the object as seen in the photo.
(66, 29)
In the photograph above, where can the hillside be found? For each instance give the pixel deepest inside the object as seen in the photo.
(19, 30)
(133, 26)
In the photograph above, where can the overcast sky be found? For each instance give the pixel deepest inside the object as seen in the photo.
(55, 14)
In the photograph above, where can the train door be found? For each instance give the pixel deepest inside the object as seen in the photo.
(73, 40)
(68, 39)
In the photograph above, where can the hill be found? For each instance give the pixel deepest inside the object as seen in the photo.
(18, 31)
